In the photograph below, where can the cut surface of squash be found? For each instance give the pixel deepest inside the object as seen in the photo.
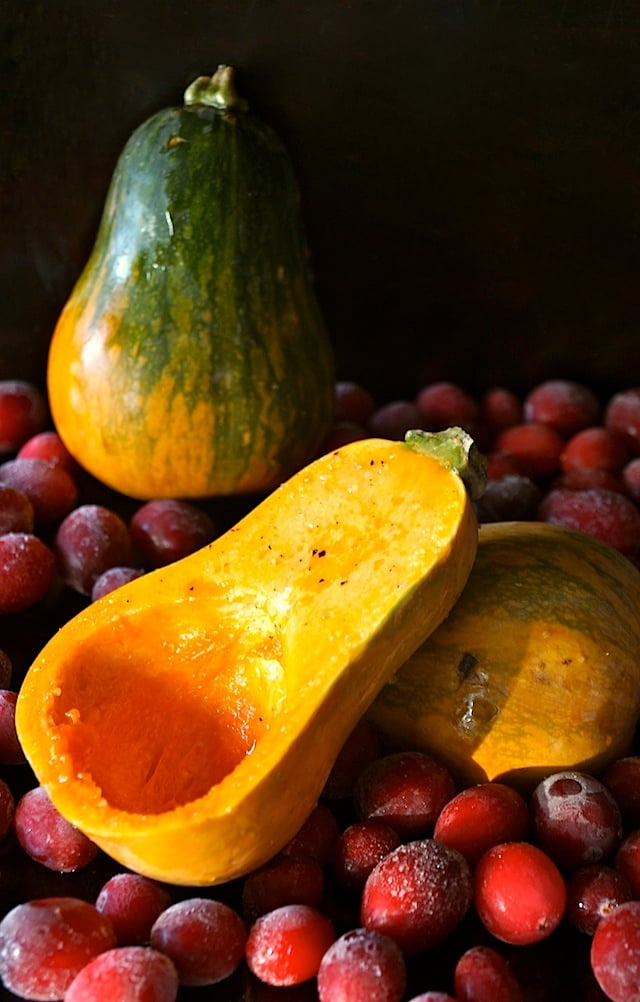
(187, 721)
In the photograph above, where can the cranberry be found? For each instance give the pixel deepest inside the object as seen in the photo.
(622, 416)
(204, 938)
(352, 403)
(27, 571)
(519, 893)
(11, 752)
(511, 498)
(563, 404)
(89, 541)
(627, 860)
(500, 465)
(45, 943)
(575, 819)
(132, 903)
(535, 448)
(630, 476)
(286, 946)
(46, 836)
(125, 974)
(359, 848)
(584, 478)
(49, 446)
(481, 816)
(443, 404)
(394, 420)
(362, 966)
(23, 413)
(406, 790)
(607, 515)
(615, 953)
(361, 747)
(316, 837)
(16, 511)
(165, 530)
(418, 894)
(594, 448)
(501, 408)
(51, 490)
(283, 880)
(592, 892)
(112, 578)
(482, 973)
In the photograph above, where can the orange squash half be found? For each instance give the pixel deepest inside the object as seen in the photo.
(187, 722)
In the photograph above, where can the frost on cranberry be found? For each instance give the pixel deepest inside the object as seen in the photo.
(112, 578)
(359, 849)
(88, 542)
(126, 974)
(27, 571)
(607, 515)
(285, 946)
(47, 837)
(52, 492)
(418, 894)
(575, 819)
(204, 938)
(615, 953)
(132, 903)
(362, 966)
(46, 942)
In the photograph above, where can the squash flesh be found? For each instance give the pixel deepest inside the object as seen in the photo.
(250, 662)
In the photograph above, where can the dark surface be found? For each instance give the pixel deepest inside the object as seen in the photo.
(470, 170)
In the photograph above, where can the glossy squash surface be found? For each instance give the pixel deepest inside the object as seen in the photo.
(187, 721)
(537, 668)
(191, 358)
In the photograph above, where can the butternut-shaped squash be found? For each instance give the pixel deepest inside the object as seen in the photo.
(537, 668)
(187, 722)
(191, 358)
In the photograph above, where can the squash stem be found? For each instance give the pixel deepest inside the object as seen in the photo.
(457, 451)
(217, 91)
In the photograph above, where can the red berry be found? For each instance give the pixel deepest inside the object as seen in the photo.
(340, 434)
(11, 752)
(283, 880)
(501, 408)
(16, 511)
(482, 974)
(27, 571)
(630, 476)
(622, 416)
(132, 903)
(627, 860)
(575, 819)
(592, 892)
(112, 578)
(615, 953)
(46, 836)
(535, 448)
(563, 404)
(418, 894)
(594, 448)
(88, 542)
(511, 498)
(125, 974)
(352, 403)
(285, 946)
(23, 413)
(50, 489)
(405, 790)
(519, 893)
(45, 943)
(443, 404)
(482, 816)
(622, 779)
(165, 530)
(49, 446)
(360, 847)
(204, 938)
(362, 966)
(394, 420)
(316, 837)
(606, 515)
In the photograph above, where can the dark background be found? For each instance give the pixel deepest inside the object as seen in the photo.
(470, 170)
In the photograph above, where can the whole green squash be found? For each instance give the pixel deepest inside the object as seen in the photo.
(191, 358)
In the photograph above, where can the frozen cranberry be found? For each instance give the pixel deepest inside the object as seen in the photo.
(563, 404)
(575, 819)
(394, 420)
(27, 571)
(89, 541)
(622, 779)
(511, 498)
(359, 848)
(501, 408)
(482, 974)
(362, 966)
(16, 511)
(352, 403)
(23, 413)
(126, 974)
(406, 790)
(283, 880)
(443, 404)
(45, 943)
(622, 416)
(604, 514)
(361, 747)
(204, 938)
(519, 893)
(615, 953)
(114, 578)
(316, 837)
(165, 530)
(630, 476)
(285, 946)
(500, 465)
(584, 478)
(627, 860)
(49, 838)
(481, 816)
(51, 490)
(418, 894)
(535, 448)
(7, 809)
(11, 752)
(594, 448)
(49, 446)
(434, 996)
(132, 903)
(592, 892)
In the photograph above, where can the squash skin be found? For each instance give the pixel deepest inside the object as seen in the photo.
(191, 358)
(536, 669)
(187, 722)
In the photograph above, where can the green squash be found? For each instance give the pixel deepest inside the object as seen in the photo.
(191, 358)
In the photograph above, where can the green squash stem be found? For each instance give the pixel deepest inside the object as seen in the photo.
(457, 451)
(218, 91)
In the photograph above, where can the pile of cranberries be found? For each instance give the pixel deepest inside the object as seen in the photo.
(402, 886)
